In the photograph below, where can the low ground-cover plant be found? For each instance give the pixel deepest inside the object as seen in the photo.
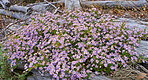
(5, 69)
(5, 72)
(74, 44)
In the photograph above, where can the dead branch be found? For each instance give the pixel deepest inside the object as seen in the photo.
(5, 3)
(39, 7)
(56, 10)
(143, 68)
(21, 9)
(52, 5)
(114, 4)
(17, 15)
(11, 25)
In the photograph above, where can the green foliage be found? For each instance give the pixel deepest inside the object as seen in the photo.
(5, 72)
(5, 69)
(75, 43)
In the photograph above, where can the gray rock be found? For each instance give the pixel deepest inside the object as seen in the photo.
(37, 76)
(133, 23)
(143, 45)
(143, 48)
(98, 77)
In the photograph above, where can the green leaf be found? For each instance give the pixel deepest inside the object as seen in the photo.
(33, 19)
(58, 23)
(88, 75)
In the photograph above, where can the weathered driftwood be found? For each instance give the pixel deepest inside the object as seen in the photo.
(5, 3)
(21, 8)
(115, 4)
(40, 7)
(18, 8)
(17, 15)
(43, 8)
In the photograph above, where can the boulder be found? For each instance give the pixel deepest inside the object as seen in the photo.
(143, 48)
(37, 76)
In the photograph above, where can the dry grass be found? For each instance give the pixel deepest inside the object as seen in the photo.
(130, 73)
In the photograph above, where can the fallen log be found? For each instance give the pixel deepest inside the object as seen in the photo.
(5, 3)
(17, 15)
(115, 4)
(24, 9)
(43, 8)
(40, 7)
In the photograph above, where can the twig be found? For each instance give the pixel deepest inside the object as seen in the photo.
(2, 4)
(53, 5)
(56, 2)
(137, 7)
(7, 27)
(128, 74)
(134, 8)
(50, 3)
(80, 1)
(146, 1)
(56, 10)
(124, 77)
(143, 68)
(21, 2)
(11, 25)
(131, 73)
(35, 4)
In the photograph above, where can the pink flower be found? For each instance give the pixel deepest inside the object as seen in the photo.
(105, 64)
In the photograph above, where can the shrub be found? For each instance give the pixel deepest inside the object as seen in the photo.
(74, 44)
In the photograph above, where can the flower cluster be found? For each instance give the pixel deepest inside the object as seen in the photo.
(74, 44)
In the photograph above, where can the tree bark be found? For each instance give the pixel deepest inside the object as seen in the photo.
(114, 4)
